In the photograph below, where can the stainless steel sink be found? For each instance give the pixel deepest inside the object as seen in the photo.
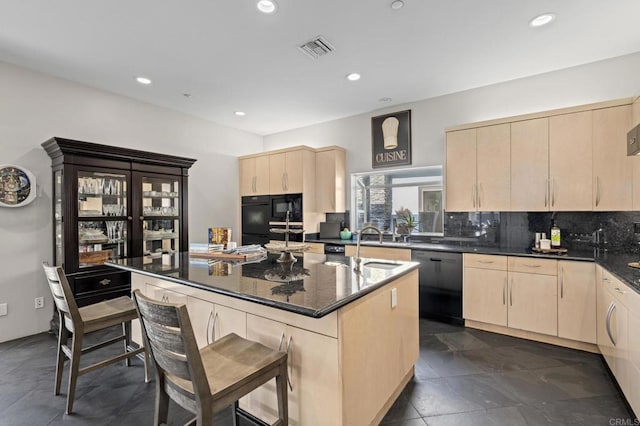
(381, 265)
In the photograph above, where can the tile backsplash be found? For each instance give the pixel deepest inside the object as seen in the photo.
(517, 229)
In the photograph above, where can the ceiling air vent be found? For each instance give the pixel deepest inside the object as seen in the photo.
(317, 47)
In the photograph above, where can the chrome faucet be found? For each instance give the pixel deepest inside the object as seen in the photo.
(359, 233)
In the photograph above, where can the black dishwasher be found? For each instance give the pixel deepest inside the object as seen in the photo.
(440, 285)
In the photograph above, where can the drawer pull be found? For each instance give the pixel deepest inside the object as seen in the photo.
(106, 281)
(612, 307)
(620, 291)
(289, 353)
(504, 292)
(511, 293)
(485, 261)
(213, 328)
(528, 265)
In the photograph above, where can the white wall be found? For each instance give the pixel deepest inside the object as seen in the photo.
(600, 81)
(33, 108)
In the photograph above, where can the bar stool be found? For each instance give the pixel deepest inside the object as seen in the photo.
(207, 380)
(81, 321)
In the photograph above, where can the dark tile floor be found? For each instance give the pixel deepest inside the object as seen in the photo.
(463, 377)
(471, 377)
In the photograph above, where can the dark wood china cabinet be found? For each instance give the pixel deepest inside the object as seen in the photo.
(114, 203)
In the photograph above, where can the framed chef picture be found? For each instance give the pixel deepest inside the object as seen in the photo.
(17, 186)
(391, 139)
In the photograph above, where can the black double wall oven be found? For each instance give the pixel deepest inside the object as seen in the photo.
(261, 213)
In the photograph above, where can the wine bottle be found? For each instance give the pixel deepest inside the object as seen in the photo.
(555, 235)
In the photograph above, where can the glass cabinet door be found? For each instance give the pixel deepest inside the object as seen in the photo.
(57, 216)
(160, 215)
(102, 217)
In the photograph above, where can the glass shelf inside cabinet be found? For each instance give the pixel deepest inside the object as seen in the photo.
(160, 197)
(160, 236)
(160, 210)
(99, 241)
(101, 194)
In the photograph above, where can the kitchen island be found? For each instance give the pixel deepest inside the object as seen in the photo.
(352, 337)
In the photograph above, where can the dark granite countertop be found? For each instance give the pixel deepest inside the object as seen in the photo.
(615, 260)
(330, 281)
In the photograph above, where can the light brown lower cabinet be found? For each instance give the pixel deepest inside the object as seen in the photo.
(485, 295)
(613, 326)
(379, 252)
(533, 302)
(211, 321)
(543, 296)
(310, 355)
(346, 368)
(577, 301)
(633, 317)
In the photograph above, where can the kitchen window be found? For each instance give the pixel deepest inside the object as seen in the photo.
(410, 199)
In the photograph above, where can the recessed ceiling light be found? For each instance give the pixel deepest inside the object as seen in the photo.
(240, 113)
(354, 76)
(143, 80)
(397, 4)
(384, 100)
(267, 6)
(541, 20)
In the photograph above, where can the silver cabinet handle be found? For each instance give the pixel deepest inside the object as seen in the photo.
(289, 352)
(546, 192)
(286, 181)
(106, 281)
(511, 293)
(480, 195)
(612, 307)
(529, 265)
(208, 324)
(485, 261)
(553, 192)
(473, 195)
(504, 292)
(561, 282)
(213, 328)
(281, 342)
(282, 181)
(597, 190)
(619, 291)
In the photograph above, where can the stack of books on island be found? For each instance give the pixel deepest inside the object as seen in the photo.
(241, 254)
(199, 253)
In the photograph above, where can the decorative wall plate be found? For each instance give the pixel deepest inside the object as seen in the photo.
(17, 186)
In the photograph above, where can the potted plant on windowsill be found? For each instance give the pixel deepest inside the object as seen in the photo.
(406, 221)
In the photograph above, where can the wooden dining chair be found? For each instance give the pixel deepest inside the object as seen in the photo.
(208, 380)
(84, 320)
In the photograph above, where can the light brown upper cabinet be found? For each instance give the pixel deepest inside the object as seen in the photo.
(571, 161)
(612, 169)
(636, 160)
(330, 180)
(530, 165)
(254, 175)
(461, 171)
(493, 167)
(478, 169)
(285, 172)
